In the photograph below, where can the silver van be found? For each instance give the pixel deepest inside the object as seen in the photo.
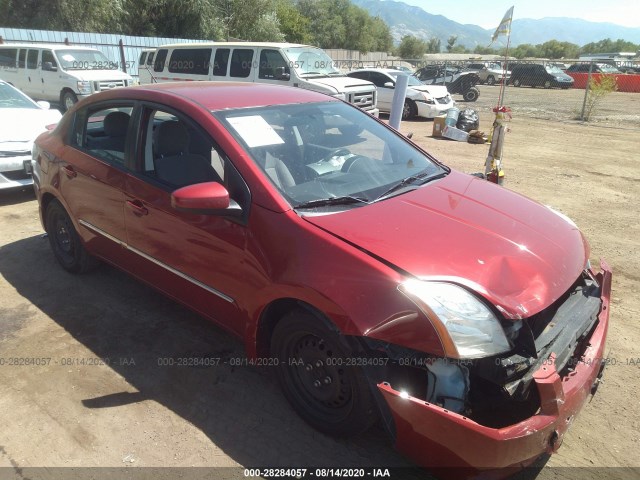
(59, 73)
(295, 65)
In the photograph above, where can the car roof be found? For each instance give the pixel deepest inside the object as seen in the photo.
(234, 44)
(218, 95)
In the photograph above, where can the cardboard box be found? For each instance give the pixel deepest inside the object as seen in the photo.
(438, 126)
(455, 134)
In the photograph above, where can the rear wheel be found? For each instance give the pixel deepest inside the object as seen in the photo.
(410, 110)
(312, 370)
(65, 241)
(471, 95)
(516, 83)
(547, 84)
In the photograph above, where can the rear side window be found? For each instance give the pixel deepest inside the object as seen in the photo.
(190, 60)
(8, 57)
(150, 58)
(103, 132)
(143, 58)
(32, 59)
(220, 62)
(22, 55)
(158, 65)
(241, 61)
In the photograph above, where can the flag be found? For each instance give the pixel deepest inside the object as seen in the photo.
(505, 26)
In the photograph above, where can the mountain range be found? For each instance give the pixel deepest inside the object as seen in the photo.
(405, 19)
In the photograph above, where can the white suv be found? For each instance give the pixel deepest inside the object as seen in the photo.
(492, 73)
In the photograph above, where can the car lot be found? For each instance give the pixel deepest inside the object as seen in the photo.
(138, 410)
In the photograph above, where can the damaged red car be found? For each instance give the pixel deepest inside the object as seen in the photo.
(380, 284)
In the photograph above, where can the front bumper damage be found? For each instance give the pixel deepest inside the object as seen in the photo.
(450, 443)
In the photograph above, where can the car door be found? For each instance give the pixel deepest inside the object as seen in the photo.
(197, 259)
(31, 83)
(385, 92)
(93, 173)
(50, 86)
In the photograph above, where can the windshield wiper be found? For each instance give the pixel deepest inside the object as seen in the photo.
(324, 202)
(407, 181)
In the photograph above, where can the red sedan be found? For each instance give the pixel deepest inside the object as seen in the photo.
(377, 282)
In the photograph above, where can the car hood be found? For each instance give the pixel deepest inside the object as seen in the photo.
(340, 84)
(100, 75)
(19, 127)
(518, 254)
(436, 91)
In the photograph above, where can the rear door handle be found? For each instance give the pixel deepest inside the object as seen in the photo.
(137, 207)
(69, 171)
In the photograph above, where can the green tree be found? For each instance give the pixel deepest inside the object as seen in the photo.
(451, 42)
(433, 45)
(609, 46)
(554, 49)
(411, 47)
(293, 24)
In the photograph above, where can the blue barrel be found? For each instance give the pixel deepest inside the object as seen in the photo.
(452, 116)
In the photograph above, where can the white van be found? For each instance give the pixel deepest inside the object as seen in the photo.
(290, 64)
(145, 66)
(59, 73)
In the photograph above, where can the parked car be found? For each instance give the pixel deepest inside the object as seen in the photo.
(537, 75)
(595, 68)
(457, 81)
(376, 281)
(59, 73)
(492, 74)
(422, 100)
(21, 121)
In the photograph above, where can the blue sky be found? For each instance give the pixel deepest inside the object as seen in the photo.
(488, 14)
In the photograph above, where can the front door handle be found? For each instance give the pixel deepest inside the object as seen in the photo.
(137, 207)
(69, 171)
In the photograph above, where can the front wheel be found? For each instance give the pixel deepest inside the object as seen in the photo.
(547, 84)
(318, 378)
(491, 80)
(410, 110)
(65, 241)
(68, 99)
(471, 95)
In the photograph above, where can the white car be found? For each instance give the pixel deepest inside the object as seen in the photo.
(422, 100)
(21, 121)
(492, 74)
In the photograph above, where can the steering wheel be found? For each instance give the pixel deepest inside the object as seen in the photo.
(338, 152)
(356, 163)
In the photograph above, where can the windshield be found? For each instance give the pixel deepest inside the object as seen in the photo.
(310, 61)
(606, 68)
(318, 152)
(84, 60)
(12, 98)
(553, 69)
(413, 81)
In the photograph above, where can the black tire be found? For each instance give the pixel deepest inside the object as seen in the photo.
(409, 110)
(517, 83)
(65, 241)
(68, 99)
(471, 95)
(330, 396)
(491, 80)
(547, 84)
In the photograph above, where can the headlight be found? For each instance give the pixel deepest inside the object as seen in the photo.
(467, 328)
(84, 88)
(428, 99)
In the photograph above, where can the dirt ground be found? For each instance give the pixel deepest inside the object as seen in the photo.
(97, 391)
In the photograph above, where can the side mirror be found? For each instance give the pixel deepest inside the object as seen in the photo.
(389, 85)
(282, 74)
(49, 67)
(44, 105)
(210, 198)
